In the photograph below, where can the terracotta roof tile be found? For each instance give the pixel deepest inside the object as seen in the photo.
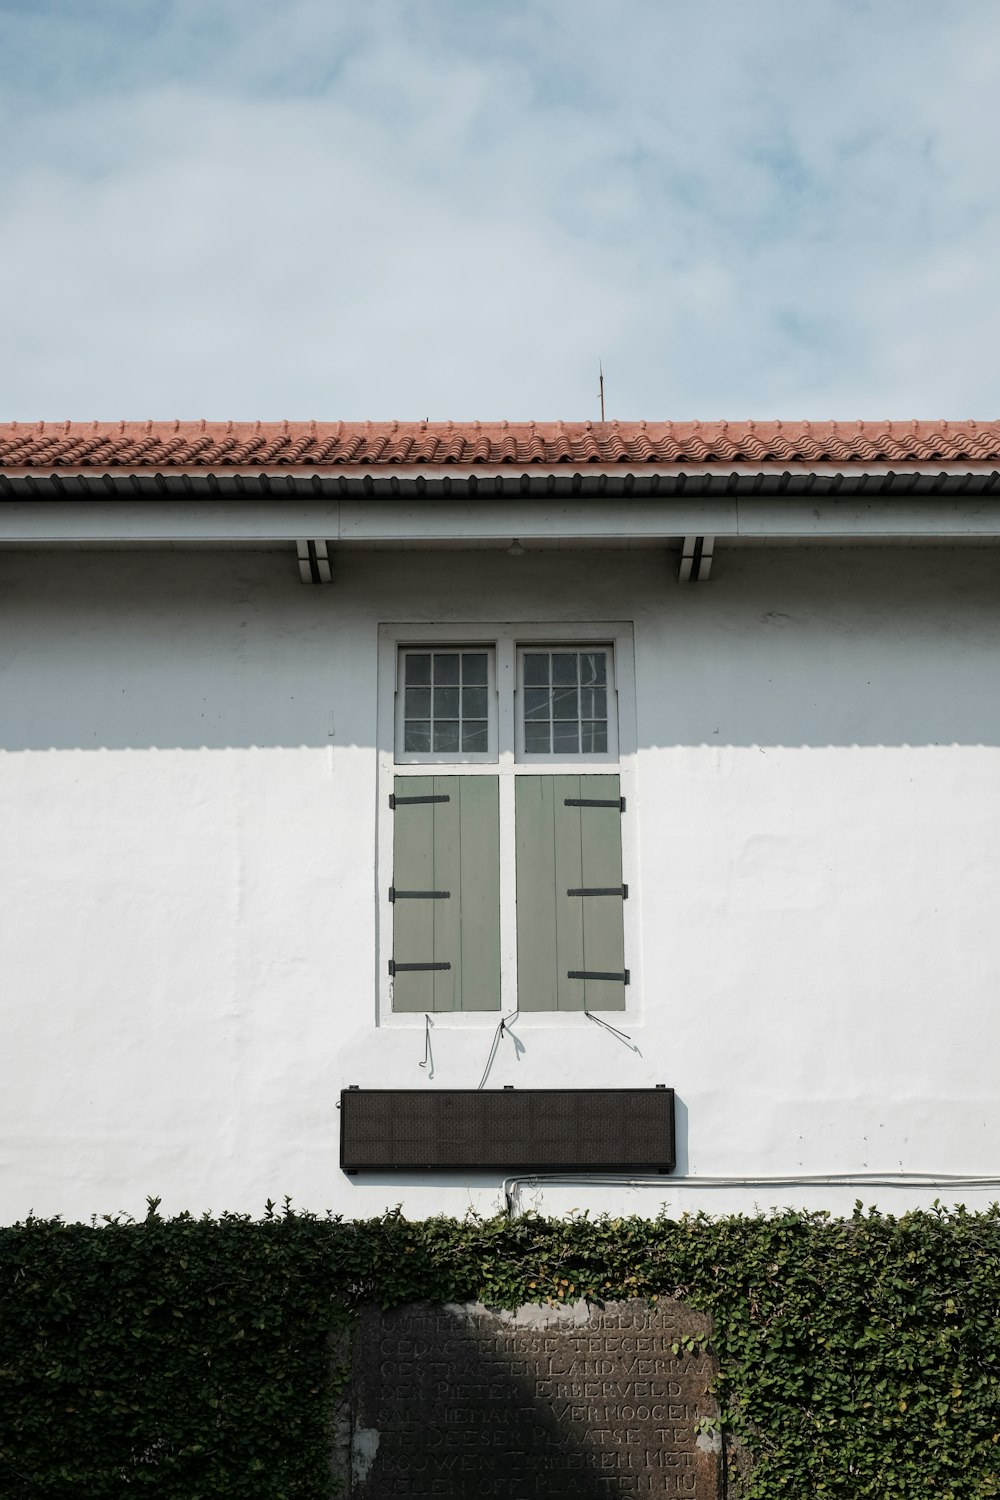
(151, 445)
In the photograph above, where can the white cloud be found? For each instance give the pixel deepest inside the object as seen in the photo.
(451, 209)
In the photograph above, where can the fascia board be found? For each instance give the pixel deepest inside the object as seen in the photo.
(614, 521)
(883, 517)
(476, 520)
(360, 521)
(157, 520)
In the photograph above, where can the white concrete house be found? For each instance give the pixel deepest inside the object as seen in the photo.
(433, 757)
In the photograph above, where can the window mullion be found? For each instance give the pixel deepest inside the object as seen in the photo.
(506, 669)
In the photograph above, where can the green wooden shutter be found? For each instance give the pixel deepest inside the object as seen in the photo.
(446, 893)
(569, 893)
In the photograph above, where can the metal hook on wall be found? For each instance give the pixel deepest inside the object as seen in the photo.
(428, 1061)
(613, 1029)
(501, 1029)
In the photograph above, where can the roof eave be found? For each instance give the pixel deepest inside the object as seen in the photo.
(486, 474)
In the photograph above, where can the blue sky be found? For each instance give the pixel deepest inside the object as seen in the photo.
(453, 208)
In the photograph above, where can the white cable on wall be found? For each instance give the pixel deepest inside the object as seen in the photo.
(513, 1185)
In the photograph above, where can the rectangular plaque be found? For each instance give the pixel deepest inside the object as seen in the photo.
(579, 1401)
(508, 1130)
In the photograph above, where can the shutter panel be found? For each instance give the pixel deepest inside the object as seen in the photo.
(570, 920)
(446, 893)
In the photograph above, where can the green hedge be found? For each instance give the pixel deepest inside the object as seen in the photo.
(190, 1358)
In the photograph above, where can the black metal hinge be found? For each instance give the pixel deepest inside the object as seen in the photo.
(395, 801)
(599, 890)
(395, 968)
(597, 974)
(618, 802)
(396, 895)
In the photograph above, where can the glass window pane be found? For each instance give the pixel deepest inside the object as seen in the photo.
(445, 736)
(418, 666)
(474, 667)
(593, 666)
(536, 668)
(564, 665)
(594, 738)
(473, 703)
(443, 691)
(565, 703)
(536, 738)
(536, 703)
(418, 702)
(445, 702)
(417, 737)
(445, 666)
(566, 739)
(594, 703)
(474, 736)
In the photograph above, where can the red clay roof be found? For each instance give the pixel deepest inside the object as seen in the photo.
(324, 445)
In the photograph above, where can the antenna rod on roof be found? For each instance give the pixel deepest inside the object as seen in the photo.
(601, 370)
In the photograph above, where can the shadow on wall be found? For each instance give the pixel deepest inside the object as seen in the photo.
(798, 647)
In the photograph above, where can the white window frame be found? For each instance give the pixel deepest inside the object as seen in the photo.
(508, 639)
(546, 758)
(460, 758)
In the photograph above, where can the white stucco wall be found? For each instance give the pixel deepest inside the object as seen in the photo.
(187, 883)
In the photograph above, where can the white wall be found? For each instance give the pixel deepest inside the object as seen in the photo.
(187, 886)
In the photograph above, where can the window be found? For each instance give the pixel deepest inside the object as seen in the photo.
(444, 707)
(501, 824)
(563, 702)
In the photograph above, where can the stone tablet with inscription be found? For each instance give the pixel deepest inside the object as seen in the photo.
(579, 1401)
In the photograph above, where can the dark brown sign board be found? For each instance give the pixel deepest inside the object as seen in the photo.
(584, 1401)
(508, 1130)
